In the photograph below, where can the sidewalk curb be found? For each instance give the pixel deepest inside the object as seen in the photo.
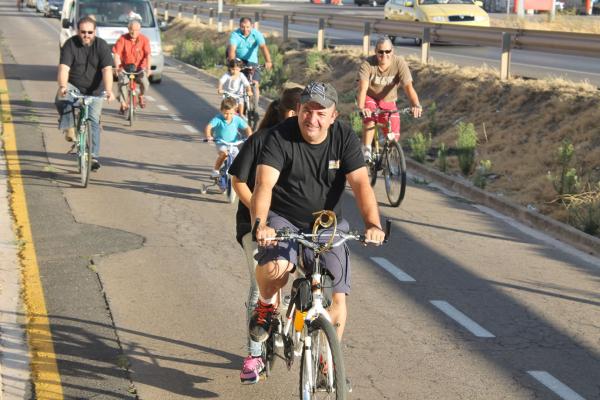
(558, 230)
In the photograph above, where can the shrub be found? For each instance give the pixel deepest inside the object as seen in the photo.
(356, 122)
(481, 173)
(419, 146)
(272, 81)
(442, 157)
(567, 181)
(465, 145)
(584, 209)
(202, 55)
(317, 62)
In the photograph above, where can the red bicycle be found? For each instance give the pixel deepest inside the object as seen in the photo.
(133, 92)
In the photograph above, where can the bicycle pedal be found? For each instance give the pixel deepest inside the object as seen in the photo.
(73, 149)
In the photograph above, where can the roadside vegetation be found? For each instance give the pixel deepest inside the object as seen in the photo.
(537, 143)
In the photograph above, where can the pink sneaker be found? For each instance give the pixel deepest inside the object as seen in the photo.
(251, 370)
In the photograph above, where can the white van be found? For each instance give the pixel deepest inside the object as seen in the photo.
(112, 17)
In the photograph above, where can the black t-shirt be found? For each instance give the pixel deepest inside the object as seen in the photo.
(312, 176)
(244, 168)
(86, 62)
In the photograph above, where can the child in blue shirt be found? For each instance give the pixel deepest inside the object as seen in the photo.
(225, 127)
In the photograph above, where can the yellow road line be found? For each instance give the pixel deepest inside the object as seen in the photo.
(43, 359)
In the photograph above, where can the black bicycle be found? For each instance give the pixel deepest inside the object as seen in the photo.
(387, 156)
(251, 102)
(305, 330)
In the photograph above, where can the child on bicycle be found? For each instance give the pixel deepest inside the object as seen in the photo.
(225, 127)
(233, 83)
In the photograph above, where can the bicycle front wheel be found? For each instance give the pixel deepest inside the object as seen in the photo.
(394, 173)
(322, 372)
(131, 108)
(85, 153)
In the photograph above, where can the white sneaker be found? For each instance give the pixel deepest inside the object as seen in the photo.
(367, 154)
(215, 174)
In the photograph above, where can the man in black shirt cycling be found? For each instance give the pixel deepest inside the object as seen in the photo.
(303, 168)
(85, 62)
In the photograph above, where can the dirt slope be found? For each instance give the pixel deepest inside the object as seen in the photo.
(520, 123)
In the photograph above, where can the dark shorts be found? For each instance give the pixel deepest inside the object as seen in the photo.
(256, 75)
(336, 261)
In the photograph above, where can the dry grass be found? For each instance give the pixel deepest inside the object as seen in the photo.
(525, 120)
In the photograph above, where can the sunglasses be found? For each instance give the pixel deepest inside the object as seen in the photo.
(382, 52)
(87, 32)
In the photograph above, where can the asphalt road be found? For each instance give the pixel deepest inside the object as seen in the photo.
(141, 264)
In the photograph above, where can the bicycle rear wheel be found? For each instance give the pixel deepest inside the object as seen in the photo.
(85, 153)
(322, 372)
(394, 173)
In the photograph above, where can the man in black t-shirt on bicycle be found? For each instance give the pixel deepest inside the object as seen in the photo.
(85, 62)
(304, 167)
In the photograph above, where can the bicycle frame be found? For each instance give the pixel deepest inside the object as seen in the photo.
(302, 332)
(224, 180)
(84, 140)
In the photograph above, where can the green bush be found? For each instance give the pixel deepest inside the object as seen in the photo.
(481, 173)
(272, 81)
(317, 62)
(419, 146)
(465, 146)
(356, 122)
(584, 209)
(201, 55)
(442, 157)
(567, 181)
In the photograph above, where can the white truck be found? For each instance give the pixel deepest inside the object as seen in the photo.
(112, 18)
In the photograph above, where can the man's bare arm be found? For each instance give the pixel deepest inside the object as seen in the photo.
(63, 79)
(367, 204)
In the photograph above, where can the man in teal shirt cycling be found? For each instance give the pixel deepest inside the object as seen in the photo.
(244, 44)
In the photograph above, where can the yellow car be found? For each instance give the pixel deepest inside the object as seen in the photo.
(460, 12)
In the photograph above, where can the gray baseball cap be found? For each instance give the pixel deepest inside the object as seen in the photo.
(319, 92)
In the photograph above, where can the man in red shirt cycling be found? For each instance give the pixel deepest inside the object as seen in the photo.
(132, 49)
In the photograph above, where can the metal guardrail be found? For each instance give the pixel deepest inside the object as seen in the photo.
(580, 44)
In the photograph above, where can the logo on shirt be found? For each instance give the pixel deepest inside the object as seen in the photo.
(334, 164)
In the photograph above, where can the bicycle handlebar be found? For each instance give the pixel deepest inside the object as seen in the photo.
(139, 72)
(379, 111)
(219, 141)
(78, 95)
(287, 235)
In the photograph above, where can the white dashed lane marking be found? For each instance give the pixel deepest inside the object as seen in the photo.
(162, 108)
(175, 118)
(191, 129)
(392, 269)
(462, 319)
(559, 388)
(150, 98)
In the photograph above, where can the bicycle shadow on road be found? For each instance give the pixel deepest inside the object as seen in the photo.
(78, 344)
